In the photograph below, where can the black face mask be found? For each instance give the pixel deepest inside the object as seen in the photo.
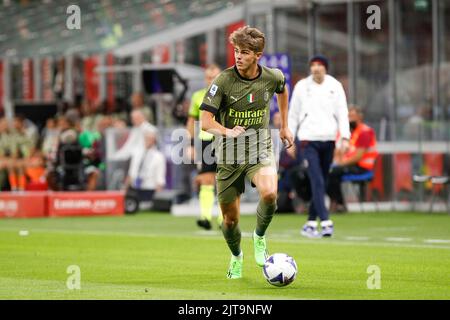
(353, 125)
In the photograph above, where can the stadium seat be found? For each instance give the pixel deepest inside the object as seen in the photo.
(360, 180)
(420, 180)
(376, 186)
(439, 185)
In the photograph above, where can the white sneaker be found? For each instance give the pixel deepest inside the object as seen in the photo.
(327, 228)
(309, 230)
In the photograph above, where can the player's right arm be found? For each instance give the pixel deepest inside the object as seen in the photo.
(210, 125)
(210, 107)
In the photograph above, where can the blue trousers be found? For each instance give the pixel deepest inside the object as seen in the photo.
(319, 156)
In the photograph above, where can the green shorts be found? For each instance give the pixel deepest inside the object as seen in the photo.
(231, 179)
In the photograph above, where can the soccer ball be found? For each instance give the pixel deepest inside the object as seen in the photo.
(280, 269)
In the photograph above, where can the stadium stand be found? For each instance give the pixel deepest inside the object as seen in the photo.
(105, 24)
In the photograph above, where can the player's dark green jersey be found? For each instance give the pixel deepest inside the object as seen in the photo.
(237, 101)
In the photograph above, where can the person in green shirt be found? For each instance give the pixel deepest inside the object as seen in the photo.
(207, 168)
(236, 110)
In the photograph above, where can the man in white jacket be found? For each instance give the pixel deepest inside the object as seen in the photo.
(147, 172)
(135, 141)
(318, 114)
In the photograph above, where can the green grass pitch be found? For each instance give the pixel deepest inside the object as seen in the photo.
(158, 256)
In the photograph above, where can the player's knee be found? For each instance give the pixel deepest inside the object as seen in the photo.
(230, 222)
(269, 196)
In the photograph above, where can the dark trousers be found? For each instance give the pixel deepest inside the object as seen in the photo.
(319, 155)
(142, 194)
(334, 189)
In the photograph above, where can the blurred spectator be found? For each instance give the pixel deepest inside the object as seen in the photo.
(35, 172)
(92, 145)
(287, 164)
(360, 158)
(68, 173)
(50, 139)
(4, 153)
(73, 167)
(137, 103)
(147, 172)
(293, 179)
(119, 123)
(99, 148)
(276, 124)
(27, 126)
(88, 120)
(18, 147)
(73, 117)
(135, 141)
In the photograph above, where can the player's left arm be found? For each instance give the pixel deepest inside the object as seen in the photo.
(283, 103)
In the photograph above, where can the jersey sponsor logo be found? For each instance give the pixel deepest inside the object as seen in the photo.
(213, 90)
(251, 98)
(247, 117)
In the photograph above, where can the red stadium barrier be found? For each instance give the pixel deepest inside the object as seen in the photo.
(23, 205)
(85, 203)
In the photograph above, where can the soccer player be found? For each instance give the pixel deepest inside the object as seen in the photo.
(207, 172)
(237, 113)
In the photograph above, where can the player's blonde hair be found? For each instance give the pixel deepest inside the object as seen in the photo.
(249, 38)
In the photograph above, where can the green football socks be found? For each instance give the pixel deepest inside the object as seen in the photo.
(264, 214)
(232, 236)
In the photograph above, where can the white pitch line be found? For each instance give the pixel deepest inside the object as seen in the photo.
(436, 241)
(246, 234)
(207, 233)
(396, 239)
(436, 245)
(369, 244)
(357, 238)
